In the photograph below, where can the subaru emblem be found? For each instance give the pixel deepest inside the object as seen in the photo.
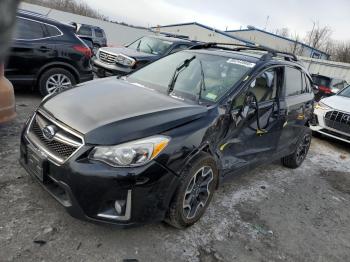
(49, 132)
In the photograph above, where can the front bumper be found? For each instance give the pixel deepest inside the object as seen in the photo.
(104, 69)
(88, 189)
(319, 125)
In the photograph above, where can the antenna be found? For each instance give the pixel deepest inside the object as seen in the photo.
(267, 22)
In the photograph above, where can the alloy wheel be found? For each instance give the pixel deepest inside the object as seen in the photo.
(197, 192)
(57, 83)
(303, 148)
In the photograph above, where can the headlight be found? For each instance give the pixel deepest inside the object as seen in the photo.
(136, 153)
(335, 90)
(125, 60)
(322, 106)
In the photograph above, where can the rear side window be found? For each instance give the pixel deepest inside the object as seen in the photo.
(29, 29)
(85, 30)
(306, 84)
(99, 33)
(294, 81)
(52, 31)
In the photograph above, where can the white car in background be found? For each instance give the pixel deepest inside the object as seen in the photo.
(332, 116)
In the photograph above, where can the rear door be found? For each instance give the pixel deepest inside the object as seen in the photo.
(29, 50)
(246, 144)
(297, 101)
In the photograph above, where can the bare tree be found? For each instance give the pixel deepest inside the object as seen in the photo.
(72, 6)
(296, 48)
(283, 32)
(341, 52)
(319, 36)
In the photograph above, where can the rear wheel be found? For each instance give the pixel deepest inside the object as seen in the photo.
(198, 184)
(297, 158)
(55, 80)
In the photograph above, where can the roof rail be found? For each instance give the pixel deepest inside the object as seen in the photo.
(239, 47)
(23, 11)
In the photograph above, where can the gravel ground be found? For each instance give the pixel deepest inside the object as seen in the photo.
(269, 214)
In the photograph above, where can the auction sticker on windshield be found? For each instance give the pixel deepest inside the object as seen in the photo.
(241, 62)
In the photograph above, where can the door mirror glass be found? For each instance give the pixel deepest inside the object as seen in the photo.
(315, 89)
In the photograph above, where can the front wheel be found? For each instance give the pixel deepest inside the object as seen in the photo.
(193, 196)
(297, 158)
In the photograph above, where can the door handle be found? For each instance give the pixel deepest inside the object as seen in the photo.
(44, 49)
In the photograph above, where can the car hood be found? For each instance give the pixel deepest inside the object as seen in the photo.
(112, 111)
(341, 103)
(128, 52)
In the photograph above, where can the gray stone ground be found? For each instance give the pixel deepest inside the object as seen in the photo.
(269, 214)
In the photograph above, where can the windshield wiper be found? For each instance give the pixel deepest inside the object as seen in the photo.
(150, 48)
(202, 86)
(138, 46)
(177, 72)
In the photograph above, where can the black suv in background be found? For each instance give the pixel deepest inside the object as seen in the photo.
(124, 60)
(95, 33)
(156, 144)
(47, 54)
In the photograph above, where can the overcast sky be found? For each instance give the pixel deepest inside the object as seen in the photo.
(297, 15)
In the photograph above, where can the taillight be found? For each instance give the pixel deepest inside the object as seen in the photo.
(325, 89)
(83, 49)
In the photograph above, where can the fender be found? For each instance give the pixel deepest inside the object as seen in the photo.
(59, 64)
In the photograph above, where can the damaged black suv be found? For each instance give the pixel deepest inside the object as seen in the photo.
(155, 145)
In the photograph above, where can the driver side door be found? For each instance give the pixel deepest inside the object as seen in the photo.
(252, 136)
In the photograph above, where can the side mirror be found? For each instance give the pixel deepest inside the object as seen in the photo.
(315, 89)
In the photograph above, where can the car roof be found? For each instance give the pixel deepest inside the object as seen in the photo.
(41, 18)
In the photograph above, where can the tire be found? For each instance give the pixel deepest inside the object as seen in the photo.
(181, 214)
(298, 156)
(48, 78)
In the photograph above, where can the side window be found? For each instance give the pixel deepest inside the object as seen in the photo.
(28, 29)
(294, 81)
(85, 30)
(264, 86)
(179, 48)
(306, 84)
(99, 33)
(52, 31)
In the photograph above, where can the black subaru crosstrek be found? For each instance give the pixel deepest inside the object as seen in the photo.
(155, 145)
(47, 55)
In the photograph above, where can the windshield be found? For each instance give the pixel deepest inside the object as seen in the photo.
(345, 92)
(151, 45)
(219, 73)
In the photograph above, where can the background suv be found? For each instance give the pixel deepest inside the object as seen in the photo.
(47, 54)
(124, 60)
(328, 86)
(97, 34)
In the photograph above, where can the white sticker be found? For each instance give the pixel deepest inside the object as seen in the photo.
(211, 96)
(240, 62)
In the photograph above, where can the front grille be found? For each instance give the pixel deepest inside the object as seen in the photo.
(107, 58)
(61, 146)
(338, 120)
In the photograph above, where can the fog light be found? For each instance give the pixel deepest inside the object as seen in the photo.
(119, 206)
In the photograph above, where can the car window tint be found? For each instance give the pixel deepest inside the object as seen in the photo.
(293, 81)
(52, 31)
(265, 86)
(28, 29)
(85, 30)
(306, 85)
(99, 33)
